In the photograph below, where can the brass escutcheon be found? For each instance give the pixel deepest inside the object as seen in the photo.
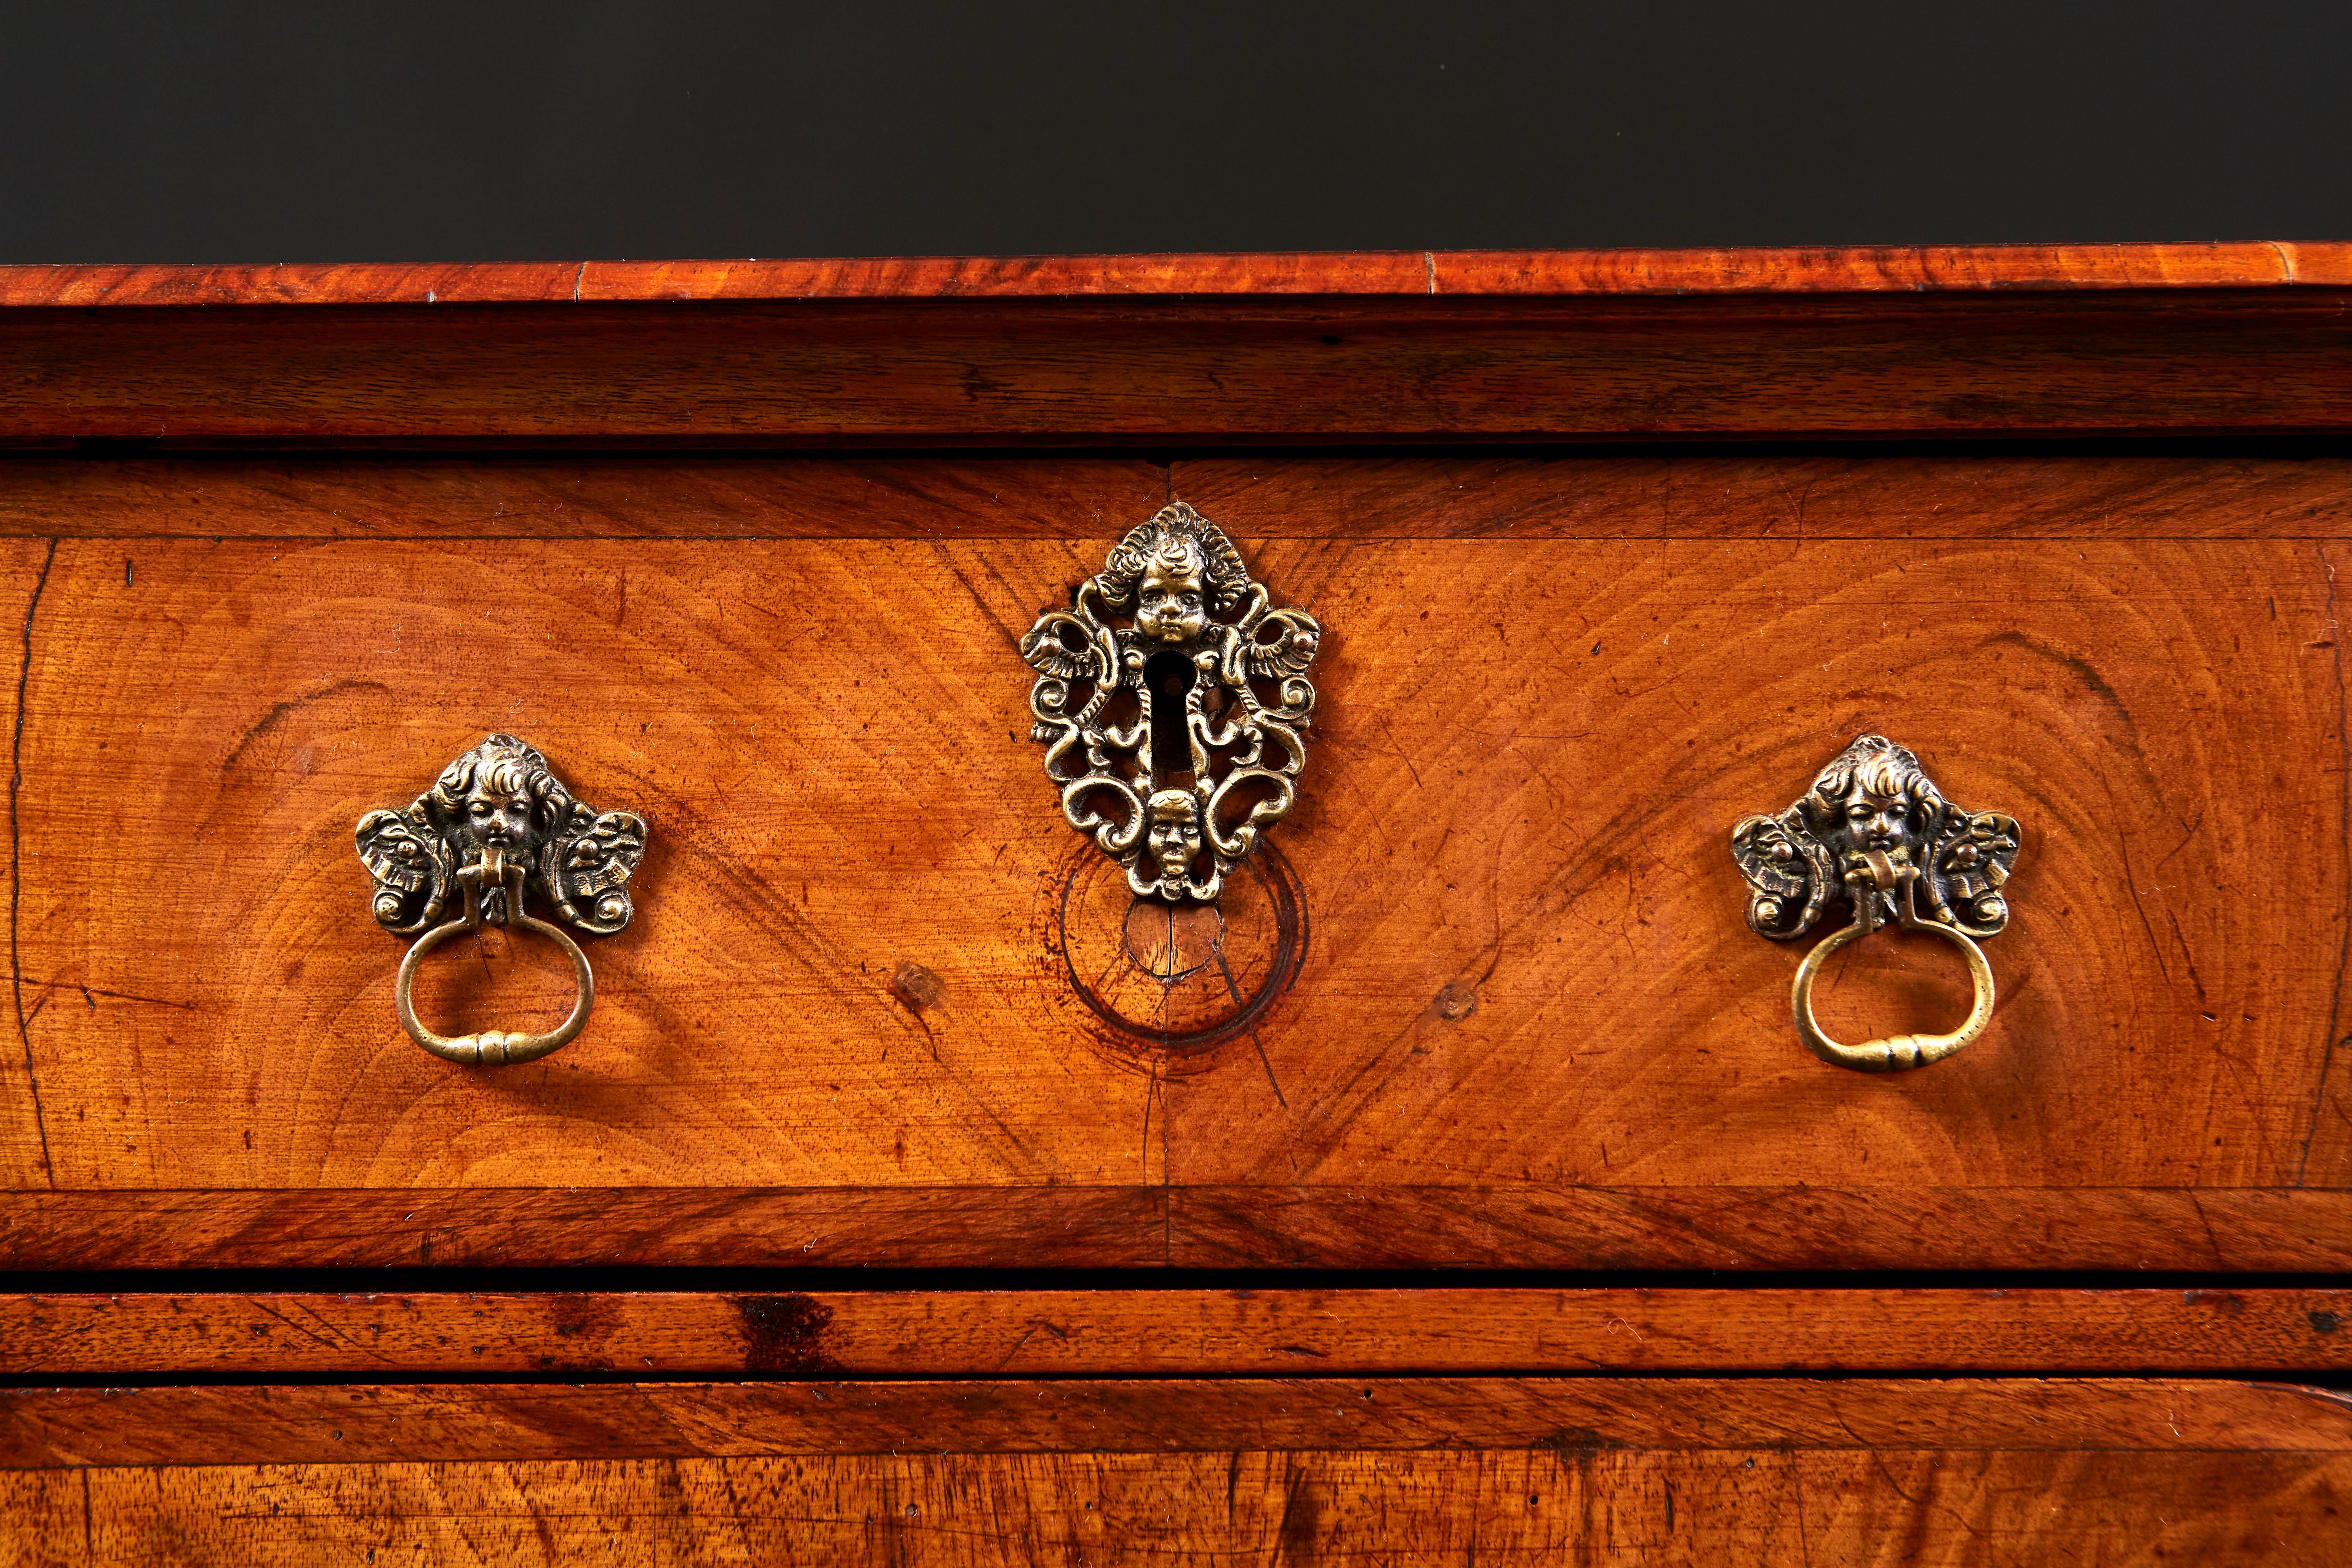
(497, 824)
(1173, 740)
(1875, 831)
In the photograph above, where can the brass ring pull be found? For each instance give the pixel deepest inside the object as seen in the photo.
(1875, 833)
(492, 1047)
(496, 826)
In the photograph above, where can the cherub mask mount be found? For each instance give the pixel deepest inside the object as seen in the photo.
(1874, 831)
(1175, 739)
(496, 826)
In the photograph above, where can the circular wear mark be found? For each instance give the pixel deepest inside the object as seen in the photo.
(1178, 979)
(1172, 942)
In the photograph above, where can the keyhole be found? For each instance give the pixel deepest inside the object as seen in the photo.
(1169, 676)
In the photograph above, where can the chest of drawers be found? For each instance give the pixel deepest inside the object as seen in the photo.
(897, 1198)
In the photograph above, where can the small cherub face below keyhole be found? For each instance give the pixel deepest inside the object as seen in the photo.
(1175, 833)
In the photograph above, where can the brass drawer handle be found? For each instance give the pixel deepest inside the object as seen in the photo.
(1875, 831)
(497, 824)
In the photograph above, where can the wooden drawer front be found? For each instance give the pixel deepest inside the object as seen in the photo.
(1272, 1424)
(1530, 752)
(404, 1331)
(1675, 1470)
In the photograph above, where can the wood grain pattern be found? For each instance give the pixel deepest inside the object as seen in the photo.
(1610, 1508)
(927, 1227)
(2218, 1229)
(1829, 270)
(655, 496)
(1485, 495)
(1598, 731)
(1958, 1471)
(1077, 372)
(1139, 1332)
(1794, 499)
(1392, 1225)
(405, 1423)
(1512, 729)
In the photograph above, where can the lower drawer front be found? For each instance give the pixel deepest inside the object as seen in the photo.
(1693, 1470)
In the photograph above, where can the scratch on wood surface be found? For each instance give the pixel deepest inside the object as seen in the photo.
(1150, 1095)
(2344, 865)
(89, 991)
(16, 865)
(1233, 989)
(269, 721)
(980, 601)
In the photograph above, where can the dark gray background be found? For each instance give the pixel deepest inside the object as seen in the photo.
(332, 131)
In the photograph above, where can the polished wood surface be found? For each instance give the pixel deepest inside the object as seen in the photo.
(1158, 1332)
(354, 1423)
(1512, 721)
(1790, 497)
(1524, 1226)
(269, 566)
(1612, 1509)
(1763, 269)
(704, 497)
(1080, 372)
(1521, 743)
(1688, 1470)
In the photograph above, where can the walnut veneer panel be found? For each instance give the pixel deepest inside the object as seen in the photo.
(1518, 1225)
(1949, 1508)
(1469, 495)
(1152, 1333)
(1071, 373)
(1689, 1472)
(665, 495)
(823, 809)
(1539, 764)
(1527, 761)
(222, 1424)
(1864, 268)
(1794, 499)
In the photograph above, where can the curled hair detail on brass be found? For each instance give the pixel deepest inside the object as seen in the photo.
(1877, 766)
(1178, 537)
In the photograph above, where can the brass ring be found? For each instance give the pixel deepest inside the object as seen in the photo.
(493, 1047)
(1896, 1051)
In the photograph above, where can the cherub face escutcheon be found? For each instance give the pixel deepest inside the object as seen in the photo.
(497, 825)
(1177, 739)
(1875, 833)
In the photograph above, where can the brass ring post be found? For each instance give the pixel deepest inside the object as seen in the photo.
(495, 1047)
